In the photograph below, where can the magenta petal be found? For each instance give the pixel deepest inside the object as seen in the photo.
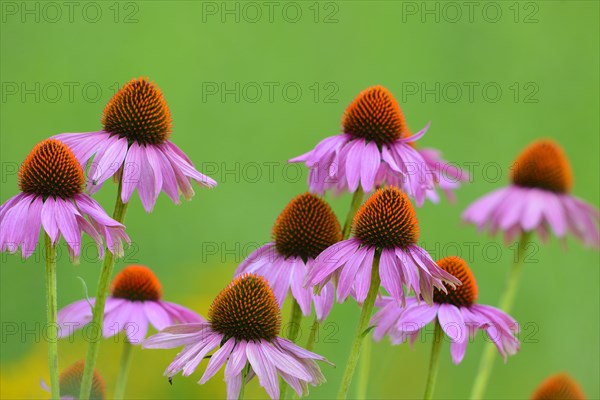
(157, 315)
(452, 322)
(300, 293)
(371, 158)
(136, 327)
(264, 368)
(217, 360)
(363, 275)
(132, 171)
(49, 219)
(65, 214)
(391, 278)
(353, 164)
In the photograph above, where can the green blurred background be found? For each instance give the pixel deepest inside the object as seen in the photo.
(61, 62)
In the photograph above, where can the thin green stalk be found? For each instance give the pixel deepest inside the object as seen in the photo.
(363, 369)
(51, 311)
(245, 371)
(434, 361)
(506, 304)
(126, 357)
(312, 336)
(354, 206)
(292, 334)
(98, 312)
(363, 324)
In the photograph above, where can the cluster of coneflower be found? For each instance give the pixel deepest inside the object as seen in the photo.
(373, 258)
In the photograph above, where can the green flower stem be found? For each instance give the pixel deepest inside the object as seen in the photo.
(51, 312)
(245, 371)
(357, 200)
(312, 336)
(361, 330)
(434, 361)
(293, 328)
(126, 357)
(98, 312)
(506, 304)
(363, 369)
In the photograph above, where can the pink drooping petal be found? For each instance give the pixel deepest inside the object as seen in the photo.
(391, 278)
(180, 314)
(217, 360)
(302, 294)
(264, 368)
(83, 145)
(178, 335)
(209, 345)
(157, 315)
(65, 216)
(324, 301)
(233, 370)
(136, 327)
(452, 322)
(416, 316)
(330, 260)
(347, 277)
(132, 171)
(49, 219)
(479, 212)
(362, 281)
(31, 227)
(117, 319)
(108, 160)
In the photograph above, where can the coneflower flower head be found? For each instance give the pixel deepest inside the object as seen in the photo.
(51, 182)
(134, 146)
(246, 310)
(134, 304)
(538, 199)
(243, 323)
(139, 113)
(558, 387)
(373, 149)
(305, 228)
(70, 383)
(456, 310)
(385, 223)
(376, 116)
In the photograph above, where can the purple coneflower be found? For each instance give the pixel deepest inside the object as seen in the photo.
(305, 228)
(386, 224)
(135, 303)
(70, 383)
(135, 144)
(456, 312)
(445, 175)
(558, 387)
(243, 323)
(374, 148)
(538, 199)
(51, 182)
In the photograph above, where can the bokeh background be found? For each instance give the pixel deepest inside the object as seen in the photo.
(533, 68)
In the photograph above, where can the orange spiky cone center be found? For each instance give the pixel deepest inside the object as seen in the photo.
(70, 382)
(375, 115)
(136, 283)
(51, 169)
(461, 296)
(138, 112)
(306, 227)
(246, 310)
(543, 165)
(558, 387)
(387, 220)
